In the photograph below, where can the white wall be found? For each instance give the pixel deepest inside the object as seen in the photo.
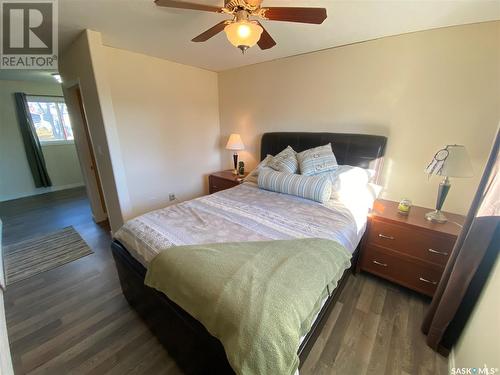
(62, 164)
(422, 90)
(5, 359)
(154, 124)
(156, 128)
(167, 118)
(478, 344)
(83, 64)
(15, 175)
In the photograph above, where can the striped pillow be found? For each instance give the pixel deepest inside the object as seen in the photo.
(317, 160)
(316, 188)
(285, 161)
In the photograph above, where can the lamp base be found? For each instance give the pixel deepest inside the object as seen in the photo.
(436, 216)
(235, 161)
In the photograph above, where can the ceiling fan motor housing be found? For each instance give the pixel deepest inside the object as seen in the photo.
(235, 5)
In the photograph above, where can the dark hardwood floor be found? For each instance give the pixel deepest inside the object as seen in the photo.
(74, 319)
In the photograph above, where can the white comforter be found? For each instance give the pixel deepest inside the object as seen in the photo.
(243, 213)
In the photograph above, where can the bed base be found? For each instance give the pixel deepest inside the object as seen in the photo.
(187, 341)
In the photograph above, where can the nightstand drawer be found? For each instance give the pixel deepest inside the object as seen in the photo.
(411, 274)
(434, 248)
(217, 184)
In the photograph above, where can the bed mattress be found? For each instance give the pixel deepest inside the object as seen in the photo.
(243, 213)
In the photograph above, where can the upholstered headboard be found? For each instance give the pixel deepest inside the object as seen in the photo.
(360, 150)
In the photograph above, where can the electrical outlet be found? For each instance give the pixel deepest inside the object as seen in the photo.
(171, 197)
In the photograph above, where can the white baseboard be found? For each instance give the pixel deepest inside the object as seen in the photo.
(39, 191)
(451, 360)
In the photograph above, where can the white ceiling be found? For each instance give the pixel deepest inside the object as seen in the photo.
(141, 26)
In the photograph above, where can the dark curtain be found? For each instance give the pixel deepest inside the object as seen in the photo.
(470, 263)
(32, 146)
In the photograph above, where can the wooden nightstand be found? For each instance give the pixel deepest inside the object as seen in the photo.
(223, 180)
(408, 250)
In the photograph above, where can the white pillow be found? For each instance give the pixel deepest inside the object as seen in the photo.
(347, 177)
(352, 186)
(254, 174)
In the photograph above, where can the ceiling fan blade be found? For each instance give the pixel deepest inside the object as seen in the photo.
(203, 37)
(184, 5)
(266, 41)
(304, 15)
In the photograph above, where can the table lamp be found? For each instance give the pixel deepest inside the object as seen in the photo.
(235, 144)
(451, 161)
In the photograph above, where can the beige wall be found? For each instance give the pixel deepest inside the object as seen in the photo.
(422, 90)
(167, 120)
(62, 164)
(478, 344)
(154, 124)
(156, 129)
(83, 65)
(15, 175)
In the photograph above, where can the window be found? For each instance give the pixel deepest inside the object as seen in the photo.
(51, 119)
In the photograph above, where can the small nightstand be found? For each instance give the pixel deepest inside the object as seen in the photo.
(408, 250)
(223, 180)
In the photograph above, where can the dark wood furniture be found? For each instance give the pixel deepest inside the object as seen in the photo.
(187, 341)
(223, 180)
(408, 250)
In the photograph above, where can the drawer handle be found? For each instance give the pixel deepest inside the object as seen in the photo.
(428, 281)
(386, 237)
(437, 252)
(380, 264)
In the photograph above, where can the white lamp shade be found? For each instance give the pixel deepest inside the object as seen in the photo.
(243, 33)
(456, 164)
(235, 143)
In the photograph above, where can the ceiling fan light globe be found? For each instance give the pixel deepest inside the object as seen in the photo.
(243, 33)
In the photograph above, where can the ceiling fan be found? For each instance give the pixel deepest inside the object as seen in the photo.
(241, 30)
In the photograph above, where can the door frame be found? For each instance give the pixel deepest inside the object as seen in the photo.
(86, 152)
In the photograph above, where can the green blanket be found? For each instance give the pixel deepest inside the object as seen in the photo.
(257, 298)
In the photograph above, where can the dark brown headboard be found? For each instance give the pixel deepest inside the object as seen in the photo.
(360, 150)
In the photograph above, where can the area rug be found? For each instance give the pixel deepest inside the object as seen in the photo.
(36, 255)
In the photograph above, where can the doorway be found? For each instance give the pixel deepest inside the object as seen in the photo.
(86, 153)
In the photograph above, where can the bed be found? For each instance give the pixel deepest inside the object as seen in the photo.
(243, 213)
